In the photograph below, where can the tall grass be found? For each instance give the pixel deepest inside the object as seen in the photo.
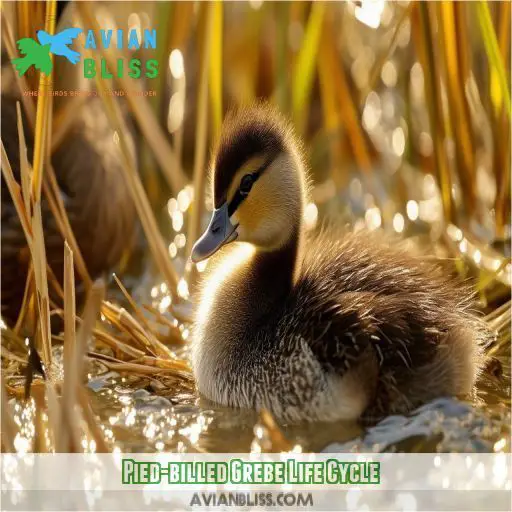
(209, 44)
(43, 110)
(305, 65)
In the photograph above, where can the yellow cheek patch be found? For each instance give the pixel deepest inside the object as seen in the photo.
(259, 213)
(252, 211)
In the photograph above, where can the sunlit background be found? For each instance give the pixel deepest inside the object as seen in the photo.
(405, 112)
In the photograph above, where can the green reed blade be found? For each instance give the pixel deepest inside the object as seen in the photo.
(306, 65)
(493, 51)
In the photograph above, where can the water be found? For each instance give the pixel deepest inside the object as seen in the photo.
(135, 417)
(142, 421)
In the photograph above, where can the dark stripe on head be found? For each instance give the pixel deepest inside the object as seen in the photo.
(245, 135)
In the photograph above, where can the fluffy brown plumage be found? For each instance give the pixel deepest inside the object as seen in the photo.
(97, 200)
(330, 326)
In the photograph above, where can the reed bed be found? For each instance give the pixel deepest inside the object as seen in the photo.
(312, 79)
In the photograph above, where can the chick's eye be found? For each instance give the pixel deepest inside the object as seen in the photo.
(246, 184)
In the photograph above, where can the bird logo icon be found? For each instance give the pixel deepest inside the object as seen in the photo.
(34, 55)
(37, 54)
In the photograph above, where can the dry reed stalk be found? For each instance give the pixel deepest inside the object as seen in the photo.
(116, 345)
(49, 132)
(28, 15)
(32, 227)
(75, 348)
(144, 369)
(501, 129)
(10, 46)
(104, 357)
(9, 429)
(42, 295)
(23, 18)
(215, 67)
(331, 115)
(494, 277)
(197, 206)
(25, 303)
(457, 106)
(463, 49)
(140, 199)
(502, 203)
(464, 56)
(422, 34)
(94, 429)
(141, 108)
(70, 435)
(56, 420)
(39, 443)
(502, 322)
(26, 176)
(504, 32)
(179, 365)
(43, 106)
(41, 396)
(348, 110)
(177, 135)
(504, 308)
(90, 315)
(25, 170)
(252, 54)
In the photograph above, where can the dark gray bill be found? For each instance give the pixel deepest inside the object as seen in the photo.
(219, 232)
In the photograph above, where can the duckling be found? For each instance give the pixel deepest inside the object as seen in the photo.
(315, 327)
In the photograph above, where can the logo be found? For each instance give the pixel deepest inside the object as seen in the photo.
(37, 53)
